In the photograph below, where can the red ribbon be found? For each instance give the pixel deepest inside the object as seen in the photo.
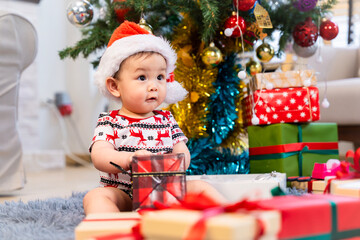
(344, 172)
(292, 147)
(209, 209)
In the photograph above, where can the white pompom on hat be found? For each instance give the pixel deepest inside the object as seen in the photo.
(128, 39)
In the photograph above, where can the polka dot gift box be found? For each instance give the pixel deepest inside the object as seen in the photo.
(282, 105)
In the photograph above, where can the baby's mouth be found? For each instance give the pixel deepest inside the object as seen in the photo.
(151, 99)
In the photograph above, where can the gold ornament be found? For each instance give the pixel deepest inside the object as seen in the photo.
(253, 67)
(265, 52)
(212, 55)
(143, 24)
(194, 96)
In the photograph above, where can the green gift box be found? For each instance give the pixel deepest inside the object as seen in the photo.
(291, 148)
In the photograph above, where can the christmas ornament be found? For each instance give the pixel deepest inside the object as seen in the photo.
(328, 30)
(305, 33)
(305, 5)
(269, 86)
(143, 24)
(212, 55)
(325, 103)
(102, 12)
(244, 5)
(253, 27)
(253, 67)
(255, 120)
(233, 25)
(265, 52)
(80, 13)
(242, 74)
(262, 17)
(120, 12)
(249, 38)
(305, 52)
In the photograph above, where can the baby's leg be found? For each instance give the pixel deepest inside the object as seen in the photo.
(106, 199)
(202, 187)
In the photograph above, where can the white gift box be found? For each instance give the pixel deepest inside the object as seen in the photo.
(235, 187)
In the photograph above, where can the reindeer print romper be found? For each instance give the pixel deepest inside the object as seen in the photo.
(157, 134)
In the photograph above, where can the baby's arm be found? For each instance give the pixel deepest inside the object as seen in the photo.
(103, 152)
(181, 147)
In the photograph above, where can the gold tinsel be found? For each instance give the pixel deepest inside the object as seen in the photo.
(191, 115)
(196, 78)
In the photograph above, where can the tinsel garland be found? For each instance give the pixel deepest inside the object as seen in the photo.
(191, 113)
(222, 106)
(207, 159)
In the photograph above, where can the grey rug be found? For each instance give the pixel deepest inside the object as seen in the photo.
(54, 218)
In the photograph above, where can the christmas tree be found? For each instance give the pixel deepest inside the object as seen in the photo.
(209, 36)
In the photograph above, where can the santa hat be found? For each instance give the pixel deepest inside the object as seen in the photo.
(128, 39)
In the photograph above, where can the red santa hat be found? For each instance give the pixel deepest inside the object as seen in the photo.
(128, 39)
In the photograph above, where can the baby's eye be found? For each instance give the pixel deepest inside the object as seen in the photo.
(142, 78)
(160, 77)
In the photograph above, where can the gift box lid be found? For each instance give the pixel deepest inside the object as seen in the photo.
(158, 163)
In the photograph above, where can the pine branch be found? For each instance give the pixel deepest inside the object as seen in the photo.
(210, 16)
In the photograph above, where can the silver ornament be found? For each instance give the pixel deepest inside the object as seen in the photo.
(305, 52)
(80, 13)
(242, 74)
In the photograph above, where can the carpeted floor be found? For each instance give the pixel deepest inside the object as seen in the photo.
(54, 218)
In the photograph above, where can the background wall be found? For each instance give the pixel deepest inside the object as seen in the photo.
(39, 126)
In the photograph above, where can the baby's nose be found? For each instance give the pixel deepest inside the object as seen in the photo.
(153, 87)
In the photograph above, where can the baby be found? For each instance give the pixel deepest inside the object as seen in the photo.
(136, 71)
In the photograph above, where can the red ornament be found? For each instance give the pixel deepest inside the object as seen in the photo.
(244, 5)
(120, 12)
(232, 22)
(305, 33)
(328, 30)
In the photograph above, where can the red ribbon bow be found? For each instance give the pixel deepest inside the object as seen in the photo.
(209, 209)
(344, 172)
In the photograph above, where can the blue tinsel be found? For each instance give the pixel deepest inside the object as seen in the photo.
(222, 103)
(206, 154)
(206, 159)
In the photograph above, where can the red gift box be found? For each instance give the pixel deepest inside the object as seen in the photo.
(158, 178)
(316, 216)
(283, 105)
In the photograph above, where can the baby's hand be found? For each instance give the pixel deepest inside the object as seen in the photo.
(139, 153)
(142, 152)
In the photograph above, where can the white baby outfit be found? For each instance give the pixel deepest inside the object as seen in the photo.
(157, 134)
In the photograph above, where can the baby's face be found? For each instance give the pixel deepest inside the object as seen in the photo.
(142, 84)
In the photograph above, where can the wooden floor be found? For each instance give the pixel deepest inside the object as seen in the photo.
(55, 183)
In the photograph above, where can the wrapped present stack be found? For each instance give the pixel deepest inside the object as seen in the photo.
(280, 112)
(198, 217)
